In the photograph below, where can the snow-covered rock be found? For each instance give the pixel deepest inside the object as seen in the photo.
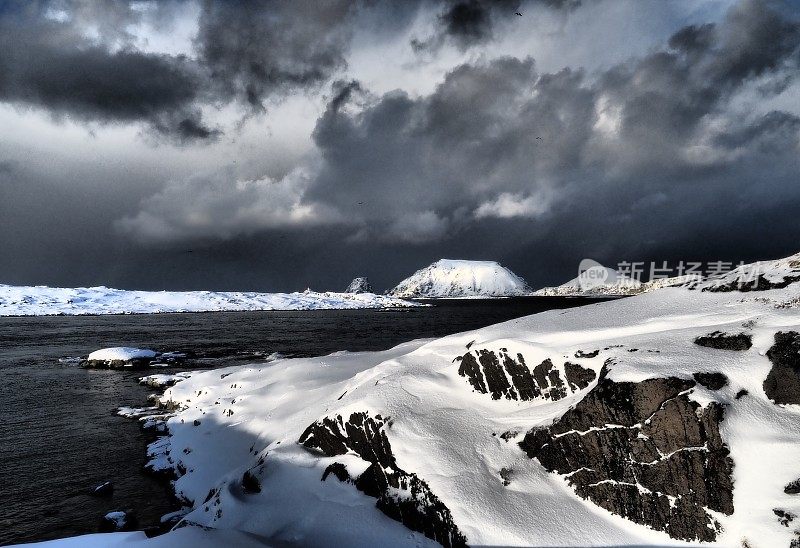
(359, 285)
(668, 418)
(121, 354)
(447, 278)
(118, 520)
(41, 301)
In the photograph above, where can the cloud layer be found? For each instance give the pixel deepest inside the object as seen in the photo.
(689, 149)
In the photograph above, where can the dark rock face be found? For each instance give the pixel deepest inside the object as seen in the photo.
(359, 285)
(644, 451)
(250, 483)
(712, 381)
(417, 508)
(503, 376)
(724, 341)
(784, 517)
(782, 384)
(793, 488)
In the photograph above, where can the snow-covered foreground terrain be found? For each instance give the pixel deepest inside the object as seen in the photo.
(41, 301)
(667, 418)
(460, 278)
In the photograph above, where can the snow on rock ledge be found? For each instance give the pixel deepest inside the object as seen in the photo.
(460, 278)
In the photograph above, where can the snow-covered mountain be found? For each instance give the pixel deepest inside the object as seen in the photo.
(359, 285)
(614, 284)
(41, 300)
(459, 278)
(668, 418)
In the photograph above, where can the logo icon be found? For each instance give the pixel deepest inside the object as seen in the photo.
(592, 274)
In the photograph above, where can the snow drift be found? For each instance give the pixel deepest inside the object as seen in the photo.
(458, 278)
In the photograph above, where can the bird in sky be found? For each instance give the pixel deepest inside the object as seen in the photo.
(518, 13)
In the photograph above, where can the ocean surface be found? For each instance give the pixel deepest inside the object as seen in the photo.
(59, 435)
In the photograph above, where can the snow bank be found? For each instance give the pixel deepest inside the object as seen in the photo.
(41, 301)
(459, 278)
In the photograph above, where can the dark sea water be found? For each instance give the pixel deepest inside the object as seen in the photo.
(59, 434)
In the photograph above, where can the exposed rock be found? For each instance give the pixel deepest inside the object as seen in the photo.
(760, 283)
(792, 488)
(782, 384)
(724, 341)
(712, 381)
(401, 495)
(506, 474)
(250, 483)
(644, 451)
(582, 354)
(741, 393)
(503, 376)
(359, 285)
(784, 517)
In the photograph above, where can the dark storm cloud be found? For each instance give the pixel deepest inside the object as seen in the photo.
(257, 49)
(496, 139)
(46, 62)
(682, 152)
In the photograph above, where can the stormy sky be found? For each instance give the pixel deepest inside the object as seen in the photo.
(279, 145)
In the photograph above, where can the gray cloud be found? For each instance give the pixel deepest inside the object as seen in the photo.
(257, 49)
(46, 61)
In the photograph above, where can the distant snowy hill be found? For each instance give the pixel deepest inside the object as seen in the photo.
(359, 285)
(41, 301)
(459, 278)
(613, 284)
(670, 418)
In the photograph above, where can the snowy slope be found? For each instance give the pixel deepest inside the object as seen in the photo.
(40, 300)
(492, 436)
(458, 278)
(615, 284)
(621, 285)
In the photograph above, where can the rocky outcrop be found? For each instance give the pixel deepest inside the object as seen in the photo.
(712, 381)
(782, 384)
(359, 285)
(759, 283)
(792, 488)
(725, 341)
(505, 376)
(401, 495)
(644, 451)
